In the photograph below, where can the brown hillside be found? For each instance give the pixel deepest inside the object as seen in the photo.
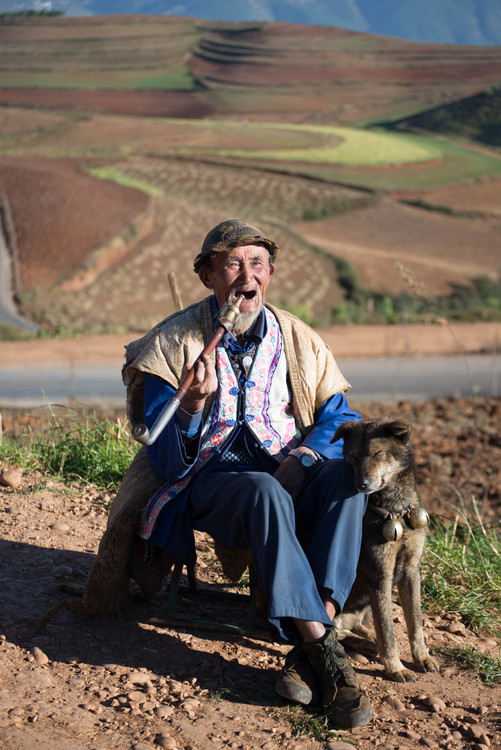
(196, 196)
(440, 251)
(141, 103)
(263, 70)
(482, 196)
(67, 226)
(61, 216)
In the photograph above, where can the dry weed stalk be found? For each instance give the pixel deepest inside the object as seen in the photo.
(419, 290)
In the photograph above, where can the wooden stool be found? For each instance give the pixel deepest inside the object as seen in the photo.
(252, 628)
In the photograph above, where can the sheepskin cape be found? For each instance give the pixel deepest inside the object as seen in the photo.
(164, 351)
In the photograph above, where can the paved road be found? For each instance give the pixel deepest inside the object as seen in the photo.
(375, 379)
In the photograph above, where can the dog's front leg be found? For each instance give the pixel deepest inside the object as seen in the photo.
(409, 589)
(382, 612)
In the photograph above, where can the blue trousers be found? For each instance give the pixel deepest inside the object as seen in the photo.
(251, 510)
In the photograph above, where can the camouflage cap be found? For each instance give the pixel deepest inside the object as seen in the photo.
(229, 234)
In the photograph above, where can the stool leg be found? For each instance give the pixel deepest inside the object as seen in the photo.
(173, 588)
(192, 579)
(252, 614)
(174, 585)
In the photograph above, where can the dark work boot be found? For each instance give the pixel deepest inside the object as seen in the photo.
(297, 680)
(341, 696)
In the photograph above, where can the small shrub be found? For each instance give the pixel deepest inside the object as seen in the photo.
(15, 333)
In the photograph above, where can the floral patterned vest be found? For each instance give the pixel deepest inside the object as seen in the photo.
(267, 410)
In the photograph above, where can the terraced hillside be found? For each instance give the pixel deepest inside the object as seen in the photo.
(135, 292)
(62, 217)
(106, 206)
(105, 203)
(477, 117)
(264, 71)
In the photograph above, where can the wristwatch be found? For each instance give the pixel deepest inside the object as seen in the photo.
(305, 459)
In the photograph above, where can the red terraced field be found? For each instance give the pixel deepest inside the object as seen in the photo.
(61, 216)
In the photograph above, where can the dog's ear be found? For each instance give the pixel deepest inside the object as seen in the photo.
(343, 430)
(400, 430)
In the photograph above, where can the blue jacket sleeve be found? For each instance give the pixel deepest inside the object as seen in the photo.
(331, 414)
(171, 455)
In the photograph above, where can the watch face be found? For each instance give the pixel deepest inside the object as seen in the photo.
(307, 460)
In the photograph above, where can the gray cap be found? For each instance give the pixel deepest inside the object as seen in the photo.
(229, 234)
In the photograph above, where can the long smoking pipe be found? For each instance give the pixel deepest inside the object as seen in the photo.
(226, 321)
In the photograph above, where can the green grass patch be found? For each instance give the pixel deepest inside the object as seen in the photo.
(350, 156)
(461, 570)
(456, 165)
(181, 80)
(305, 723)
(315, 726)
(10, 332)
(75, 446)
(108, 173)
(351, 147)
(487, 667)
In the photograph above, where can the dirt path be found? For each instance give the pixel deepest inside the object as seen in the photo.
(126, 684)
(345, 341)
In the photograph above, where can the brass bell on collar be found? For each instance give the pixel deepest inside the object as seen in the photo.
(418, 518)
(392, 530)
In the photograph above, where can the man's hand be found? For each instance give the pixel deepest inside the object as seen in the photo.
(291, 474)
(204, 384)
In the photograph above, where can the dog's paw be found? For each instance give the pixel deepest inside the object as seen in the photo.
(359, 645)
(402, 675)
(428, 664)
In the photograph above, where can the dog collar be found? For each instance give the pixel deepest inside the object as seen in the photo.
(416, 517)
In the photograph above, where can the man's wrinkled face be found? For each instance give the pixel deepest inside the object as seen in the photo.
(244, 270)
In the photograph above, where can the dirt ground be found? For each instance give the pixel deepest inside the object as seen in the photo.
(130, 683)
(345, 341)
(127, 683)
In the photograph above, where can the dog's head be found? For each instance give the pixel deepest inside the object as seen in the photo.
(378, 450)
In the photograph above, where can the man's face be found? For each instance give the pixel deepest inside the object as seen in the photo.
(245, 270)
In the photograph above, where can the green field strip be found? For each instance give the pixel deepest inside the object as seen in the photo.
(179, 79)
(115, 175)
(457, 165)
(364, 158)
(65, 30)
(348, 146)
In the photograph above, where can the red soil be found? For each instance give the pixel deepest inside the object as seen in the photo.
(438, 250)
(61, 216)
(143, 103)
(248, 65)
(483, 196)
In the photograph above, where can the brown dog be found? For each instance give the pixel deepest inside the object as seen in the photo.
(392, 541)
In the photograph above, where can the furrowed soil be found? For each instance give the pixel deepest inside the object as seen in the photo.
(129, 682)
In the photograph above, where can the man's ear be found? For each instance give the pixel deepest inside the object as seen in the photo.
(205, 276)
(272, 268)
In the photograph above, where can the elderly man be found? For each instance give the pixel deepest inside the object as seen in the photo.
(248, 459)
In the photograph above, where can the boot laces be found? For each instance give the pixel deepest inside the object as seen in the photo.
(338, 667)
